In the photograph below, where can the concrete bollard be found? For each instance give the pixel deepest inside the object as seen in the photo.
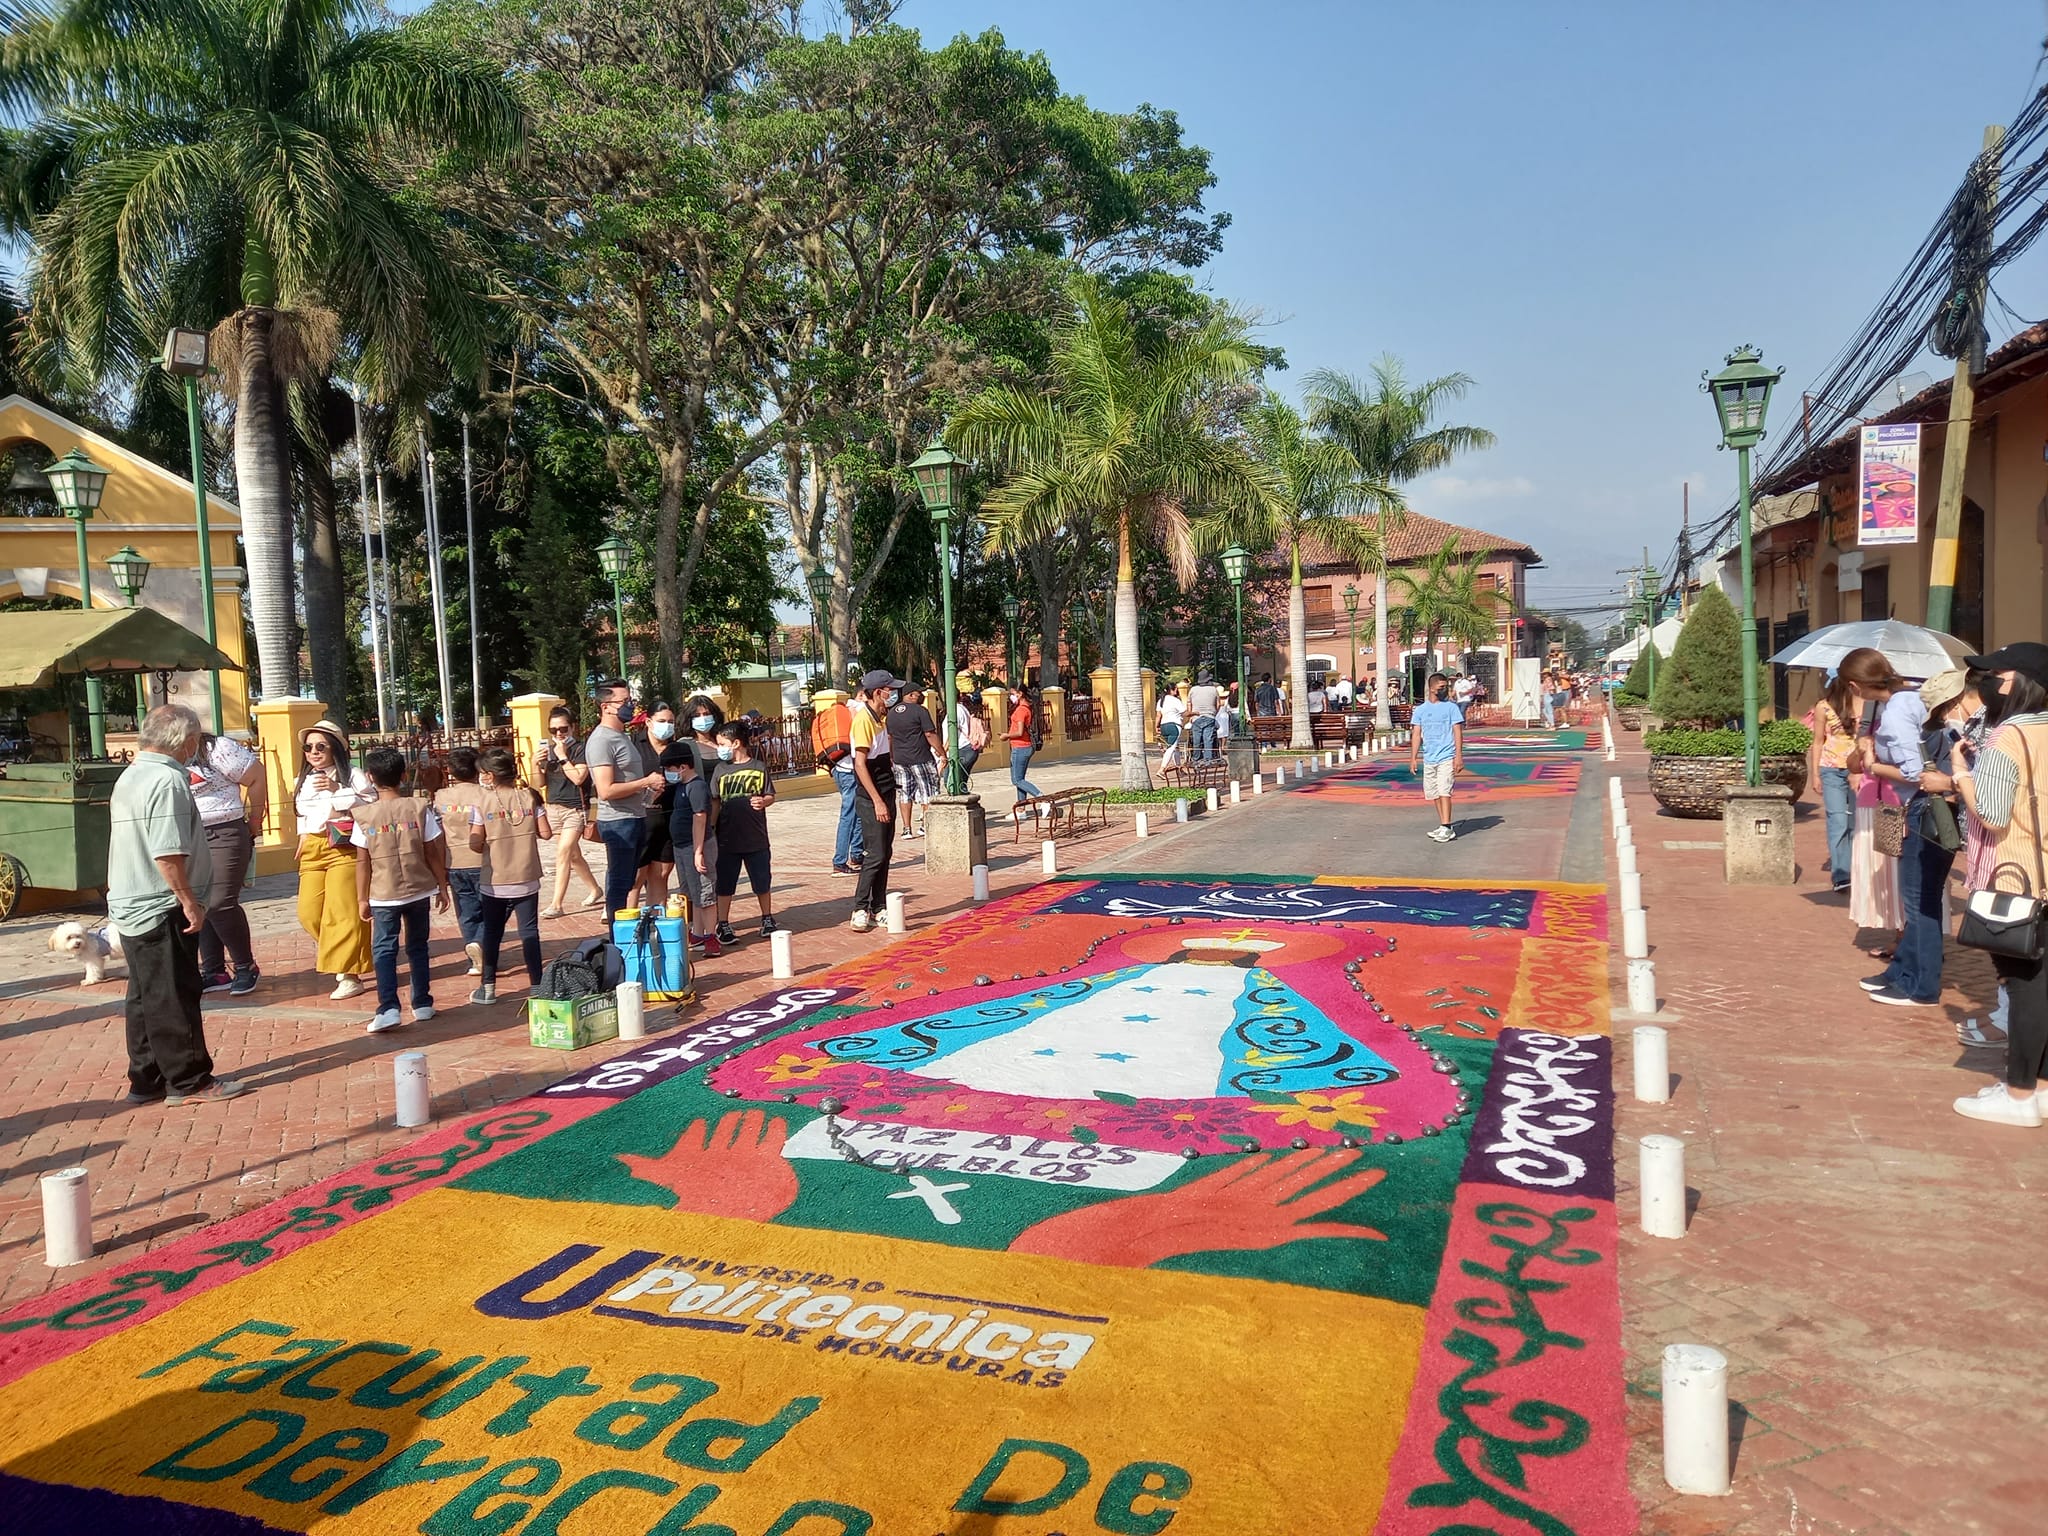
(1653, 1063)
(1258, 783)
(893, 911)
(1049, 857)
(1300, 770)
(1635, 933)
(1696, 1419)
(781, 963)
(1625, 857)
(1213, 802)
(1614, 791)
(67, 1217)
(981, 882)
(1144, 825)
(1236, 791)
(1661, 1184)
(1180, 811)
(1623, 838)
(1642, 986)
(1617, 815)
(1631, 889)
(414, 1105)
(632, 1000)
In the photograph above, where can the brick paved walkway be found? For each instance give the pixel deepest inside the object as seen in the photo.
(1874, 1265)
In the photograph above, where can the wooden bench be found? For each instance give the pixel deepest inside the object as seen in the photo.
(1197, 775)
(1330, 729)
(1063, 813)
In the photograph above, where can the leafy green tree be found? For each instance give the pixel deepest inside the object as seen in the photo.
(1701, 685)
(1122, 442)
(1390, 427)
(243, 164)
(1446, 601)
(1315, 492)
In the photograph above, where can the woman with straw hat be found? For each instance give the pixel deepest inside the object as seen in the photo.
(328, 793)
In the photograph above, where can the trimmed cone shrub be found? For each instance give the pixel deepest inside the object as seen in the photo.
(1635, 688)
(1701, 685)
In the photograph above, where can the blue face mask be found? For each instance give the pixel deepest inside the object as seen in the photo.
(703, 722)
(661, 730)
(673, 775)
(725, 752)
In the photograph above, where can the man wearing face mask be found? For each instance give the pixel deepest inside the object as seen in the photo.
(875, 795)
(158, 872)
(657, 849)
(621, 788)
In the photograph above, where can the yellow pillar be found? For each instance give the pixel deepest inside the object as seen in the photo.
(279, 723)
(1102, 682)
(530, 713)
(1148, 684)
(996, 701)
(1056, 744)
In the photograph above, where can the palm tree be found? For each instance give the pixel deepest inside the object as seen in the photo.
(1123, 440)
(1316, 491)
(1386, 423)
(1446, 601)
(243, 165)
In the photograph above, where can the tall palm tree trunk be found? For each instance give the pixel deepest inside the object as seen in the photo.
(1297, 660)
(1382, 715)
(1130, 688)
(263, 488)
(326, 635)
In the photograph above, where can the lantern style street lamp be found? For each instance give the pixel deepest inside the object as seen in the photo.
(1351, 607)
(612, 556)
(1742, 395)
(185, 357)
(78, 484)
(131, 575)
(937, 472)
(1011, 608)
(1237, 564)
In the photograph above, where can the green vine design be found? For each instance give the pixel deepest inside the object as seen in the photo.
(132, 1292)
(1553, 1430)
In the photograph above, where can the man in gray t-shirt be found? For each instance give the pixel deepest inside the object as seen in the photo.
(1202, 701)
(621, 790)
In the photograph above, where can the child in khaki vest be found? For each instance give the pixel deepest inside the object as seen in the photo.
(453, 802)
(505, 828)
(401, 865)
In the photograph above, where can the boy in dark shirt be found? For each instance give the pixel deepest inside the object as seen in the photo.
(744, 791)
(689, 824)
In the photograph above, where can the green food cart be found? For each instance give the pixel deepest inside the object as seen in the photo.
(53, 802)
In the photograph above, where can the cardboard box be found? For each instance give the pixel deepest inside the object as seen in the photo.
(571, 1023)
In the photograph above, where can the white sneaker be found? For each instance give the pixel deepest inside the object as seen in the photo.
(346, 986)
(862, 922)
(388, 1019)
(475, 951)
(1442, 835)
(421, 1015)
(1994, 1104)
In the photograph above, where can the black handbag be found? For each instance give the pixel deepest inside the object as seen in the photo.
(1938, 824)
(2008, 923)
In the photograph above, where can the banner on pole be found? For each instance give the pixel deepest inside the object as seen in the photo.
(1888, 482)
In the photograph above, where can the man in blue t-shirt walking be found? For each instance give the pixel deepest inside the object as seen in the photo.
(1436, 750)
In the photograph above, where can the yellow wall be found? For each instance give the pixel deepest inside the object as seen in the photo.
(144, 505)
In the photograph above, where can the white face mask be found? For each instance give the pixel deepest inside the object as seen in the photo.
(661, 730)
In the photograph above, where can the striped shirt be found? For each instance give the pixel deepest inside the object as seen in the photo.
(1998, 775)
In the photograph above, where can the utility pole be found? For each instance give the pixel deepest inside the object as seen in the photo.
(1685, 552)
(1650, 614)
(1962, 407)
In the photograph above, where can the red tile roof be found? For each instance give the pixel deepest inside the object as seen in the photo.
(1420, 537)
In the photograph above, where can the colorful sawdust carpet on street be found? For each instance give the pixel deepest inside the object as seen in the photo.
(1484, 778)
(1524, 741)
(1225, 1206)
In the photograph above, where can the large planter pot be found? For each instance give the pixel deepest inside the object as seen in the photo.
(1695, 786)
(1631, 719)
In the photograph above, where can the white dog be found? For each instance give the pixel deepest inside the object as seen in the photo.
(91, 947)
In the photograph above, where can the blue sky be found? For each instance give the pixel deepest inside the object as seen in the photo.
(1580, 204)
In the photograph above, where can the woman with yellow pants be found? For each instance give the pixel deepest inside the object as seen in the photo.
(329, 910)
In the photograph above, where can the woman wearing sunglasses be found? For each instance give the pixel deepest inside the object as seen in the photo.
(328, 793)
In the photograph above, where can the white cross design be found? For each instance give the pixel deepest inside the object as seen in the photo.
(934, 1196)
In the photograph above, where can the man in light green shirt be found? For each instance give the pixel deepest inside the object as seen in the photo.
(158, 870)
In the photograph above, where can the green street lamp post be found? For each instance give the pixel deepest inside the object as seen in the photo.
(937, 472)
(1011, 608)
(78, 484)
(131, 575)
(1351, 607)
(1237, 564)
(1742, 394)
(612, 556)
(185, 356)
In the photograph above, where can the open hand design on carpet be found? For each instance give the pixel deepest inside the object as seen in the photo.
(1257, 1202)
(733, 1168)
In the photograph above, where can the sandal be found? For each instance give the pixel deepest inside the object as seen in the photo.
(1979, 1032)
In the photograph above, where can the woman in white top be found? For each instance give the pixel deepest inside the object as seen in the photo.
(1173, 711)
(329, 791)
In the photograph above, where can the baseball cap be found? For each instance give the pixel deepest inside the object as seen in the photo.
(1942, 689)
(2029, 657)
(871, 682)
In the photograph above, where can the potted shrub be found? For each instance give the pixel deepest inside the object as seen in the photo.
(1633, 696)
(1698, 757)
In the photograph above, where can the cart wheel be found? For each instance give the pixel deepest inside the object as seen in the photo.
(12, 878)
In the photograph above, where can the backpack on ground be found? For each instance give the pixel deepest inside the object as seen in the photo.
(595, 965)
(832, 735)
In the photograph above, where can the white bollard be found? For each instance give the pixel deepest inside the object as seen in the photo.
(1300, 769)
(1625, 857)
(1623, 838)
(1236, 792)
(1144, 825)
(1180, 810)
(1661, 1184)
(410, 1070)
(1696, 1419)
(1213, 802)
(1653, 1063)
(1631, 889)
(893, 911)
(1617, 815)
(1642, 986)
(781, 963)
(67, 1217)
(1635, 933)
(1614, 791)
(632, 999)
(1610, 755)
(1258, 783)
(1049, 857)
(981, 882)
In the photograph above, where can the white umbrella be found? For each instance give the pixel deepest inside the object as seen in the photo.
(1914, 651)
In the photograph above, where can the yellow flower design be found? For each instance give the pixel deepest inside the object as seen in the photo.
(1323, 1111)
(798, 1069)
